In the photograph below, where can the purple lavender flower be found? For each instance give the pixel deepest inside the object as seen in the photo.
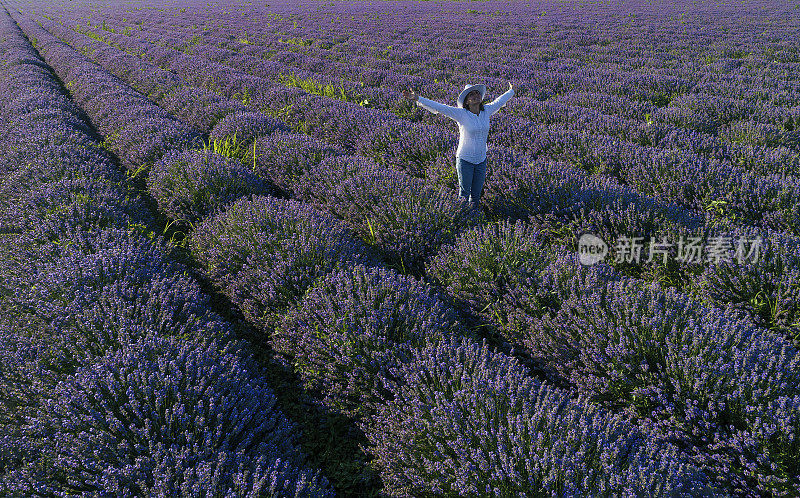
(190, 185)
(168, 416)
(466, 420)
(283, 157)
(24, 381)
(407, 147)
(246, 127)
(64, 204)
(265, 252)
(484, 263)
(353, 326)
(404, 217)
(679, 369)
(199, 107)
(96, 291)
(147, 140)
(320, 179)
(755, 270)
(544, 292)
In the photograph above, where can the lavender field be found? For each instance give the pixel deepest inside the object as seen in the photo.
(234, 261)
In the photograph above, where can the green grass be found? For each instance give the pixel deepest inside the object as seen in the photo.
(300, 42)
(325, 90)
(228, 147)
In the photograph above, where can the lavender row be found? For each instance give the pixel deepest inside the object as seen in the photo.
(200, 108)
(693, 181)
(753, 269)
(187, 184)
(90, 307)
(370, 133)
(368, 231)
(136, 130)
(465, 420)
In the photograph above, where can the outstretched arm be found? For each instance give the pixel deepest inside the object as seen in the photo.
(500, 101)
(433, 106)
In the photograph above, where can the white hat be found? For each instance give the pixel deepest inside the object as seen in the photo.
(467, 89)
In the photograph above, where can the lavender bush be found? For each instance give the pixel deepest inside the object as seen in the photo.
(100, 290)
(407, 147)
(42, 108)
(706, 379)
(164, 416)
(265, 252)
(612, 216)
(321, 179)
(190, 185)
(283, 157)
(485, 262)
(465, 420)
(65, 203)
(536, 188)
(149, 139)
(198, 107)
(353, 326)
(405, 218)
(24, 380)
(544, 292)
(30, 145)
(757, 271)
(246, 127)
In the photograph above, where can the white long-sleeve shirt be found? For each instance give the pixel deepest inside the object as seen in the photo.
(473, 128)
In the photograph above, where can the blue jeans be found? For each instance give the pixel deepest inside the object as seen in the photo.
(470, 179)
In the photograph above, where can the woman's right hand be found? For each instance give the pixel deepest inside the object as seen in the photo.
(410, 94)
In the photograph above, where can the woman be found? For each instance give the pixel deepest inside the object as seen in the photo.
(472, 117)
